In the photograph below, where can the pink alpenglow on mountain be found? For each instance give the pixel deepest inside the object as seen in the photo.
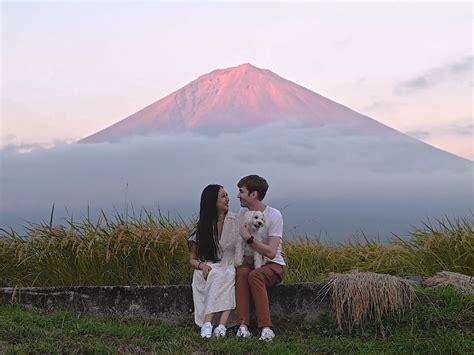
(236, 99)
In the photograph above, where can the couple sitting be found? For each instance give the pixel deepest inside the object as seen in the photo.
(217, 285)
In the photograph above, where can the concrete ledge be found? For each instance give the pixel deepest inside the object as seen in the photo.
(168, 303)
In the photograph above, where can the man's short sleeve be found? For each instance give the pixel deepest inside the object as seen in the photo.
(276, 225)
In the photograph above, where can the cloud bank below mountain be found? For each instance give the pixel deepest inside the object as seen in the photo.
(324, 182)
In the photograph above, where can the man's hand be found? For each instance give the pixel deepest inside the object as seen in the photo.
(245, 232)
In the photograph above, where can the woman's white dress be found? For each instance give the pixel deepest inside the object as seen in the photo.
(217, 293)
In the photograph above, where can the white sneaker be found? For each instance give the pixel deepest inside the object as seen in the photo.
(243, 332)
(267, 335)
(206, 330)
(220, 331)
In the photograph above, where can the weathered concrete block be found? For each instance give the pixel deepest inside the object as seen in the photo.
(168, 303)
(294, 300)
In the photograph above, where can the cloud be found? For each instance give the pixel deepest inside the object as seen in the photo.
(383, 106)
(418, 133)
(325, 181)
(360, 81)
(8, 138)
(342, 43)
(461, 128)
(461, 69)
(17, 147)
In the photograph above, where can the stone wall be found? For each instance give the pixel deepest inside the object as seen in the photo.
(168, 303)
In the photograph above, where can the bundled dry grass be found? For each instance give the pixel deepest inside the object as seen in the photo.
(360, 296)
(462, 283)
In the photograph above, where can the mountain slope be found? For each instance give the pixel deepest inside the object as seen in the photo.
(235, 99)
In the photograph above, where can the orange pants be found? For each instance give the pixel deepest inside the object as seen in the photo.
(256, 282)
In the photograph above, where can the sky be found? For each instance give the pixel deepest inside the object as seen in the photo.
(70, 69)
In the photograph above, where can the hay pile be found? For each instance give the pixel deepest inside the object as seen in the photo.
(359, 296)
(462, 283)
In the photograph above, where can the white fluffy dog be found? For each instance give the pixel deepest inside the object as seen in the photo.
(256, 222)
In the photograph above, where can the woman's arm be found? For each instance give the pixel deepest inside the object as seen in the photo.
(198, 264)
(194, 260)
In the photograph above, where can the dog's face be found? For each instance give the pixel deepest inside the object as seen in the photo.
(255, 219)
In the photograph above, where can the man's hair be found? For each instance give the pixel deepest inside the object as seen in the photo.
(254, 183)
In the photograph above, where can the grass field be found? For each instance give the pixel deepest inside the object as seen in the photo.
(442, 322)
(153, 250)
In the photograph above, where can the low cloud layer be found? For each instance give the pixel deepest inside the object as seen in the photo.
(326, 183)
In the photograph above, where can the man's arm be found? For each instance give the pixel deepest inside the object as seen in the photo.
(269, 250)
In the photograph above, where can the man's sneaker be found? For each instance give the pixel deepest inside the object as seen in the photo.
(243, 332)
(267, 335)
(220, 331)
(206, 330)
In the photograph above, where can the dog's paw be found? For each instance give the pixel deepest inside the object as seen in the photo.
(257, 261)
(237, 262)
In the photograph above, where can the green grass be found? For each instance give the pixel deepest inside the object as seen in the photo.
(441, 322)
(153, 250)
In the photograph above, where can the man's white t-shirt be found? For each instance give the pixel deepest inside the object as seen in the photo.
(274, 228)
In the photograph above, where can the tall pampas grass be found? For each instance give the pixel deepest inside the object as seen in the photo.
(443, 245)
(152, 249)
(136, 250)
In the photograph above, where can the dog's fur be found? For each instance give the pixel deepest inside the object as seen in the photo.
(257, 223)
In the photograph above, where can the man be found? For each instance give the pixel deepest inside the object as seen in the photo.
(252, 190)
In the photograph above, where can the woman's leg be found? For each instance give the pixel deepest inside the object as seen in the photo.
(208, 317)
(224, 317)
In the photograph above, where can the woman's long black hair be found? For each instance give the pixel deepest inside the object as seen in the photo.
(206, 227)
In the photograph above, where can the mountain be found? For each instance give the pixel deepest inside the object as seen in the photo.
(235, 99)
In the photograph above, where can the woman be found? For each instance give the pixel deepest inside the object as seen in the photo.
(212, 245)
